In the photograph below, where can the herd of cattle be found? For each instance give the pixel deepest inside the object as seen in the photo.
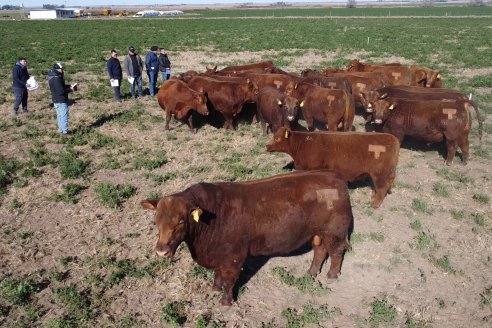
(223, 223)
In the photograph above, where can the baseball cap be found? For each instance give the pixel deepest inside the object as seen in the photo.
(131, 49)
(57, 66)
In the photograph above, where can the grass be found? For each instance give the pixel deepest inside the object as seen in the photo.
(173, 313)
(440, 189)
(420, 205)
(114, 195)
(425, 241)
(308, 315)
(150, 160)
(69, 194)
(486, 298)
(481, 198)
(18, 292)
(382, 313)
(443, 263)
(199, 272)
(76, 303)
(457, 214)
(305, 284)
(451, 175)
(70, 165)
(8, 168)
(204, 321)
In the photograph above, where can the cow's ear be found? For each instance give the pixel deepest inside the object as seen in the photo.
(195, 213)
(279, 102)
(384, 95)
(149, 204)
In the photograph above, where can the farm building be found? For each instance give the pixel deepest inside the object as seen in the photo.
(52, 14)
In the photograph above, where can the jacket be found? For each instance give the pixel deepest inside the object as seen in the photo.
(19, 76)
(114, 69)
(151, 62)
(164, 63)
(129, 65)
(59, 90)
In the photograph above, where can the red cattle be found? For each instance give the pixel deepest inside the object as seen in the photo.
(238, 68)
(326, 106)
(426, 77)
(430, 121)
(224, 223)
(278, 81)
(177, 99)
(332, 82)
(225, 96)
(277, 109)
(357, 66)
(352, 154)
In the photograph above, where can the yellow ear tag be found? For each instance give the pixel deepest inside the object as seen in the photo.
(369, 105)
(286, 135)
(196, 215)
(391, 107)
(279, 102)
(438, 76)
(301, 104)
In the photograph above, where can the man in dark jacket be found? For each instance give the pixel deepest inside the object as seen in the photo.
(20, 76)
(164, 65)
(59, 96)
(115, 74)
(134, 68)
(152, 66)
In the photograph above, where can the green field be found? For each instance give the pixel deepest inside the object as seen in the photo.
(77, 251)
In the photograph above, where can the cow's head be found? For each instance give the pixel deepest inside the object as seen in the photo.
(368, 98)
(280, 141)
(252, 91)
(434, 80)
(211, 71)
(428, 78)
(355, 66)
(382, 110)
(172, 215)
(290, 107)
(201, 103)
(290, 88)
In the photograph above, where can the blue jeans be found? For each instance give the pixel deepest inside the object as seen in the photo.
(166, 74)
(62, 116)
(138, 82)
(21, 96)
(152, 82)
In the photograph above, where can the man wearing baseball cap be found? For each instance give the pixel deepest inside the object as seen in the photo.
(152, 66)
(134, 67)
(59, 96)
(19, 80)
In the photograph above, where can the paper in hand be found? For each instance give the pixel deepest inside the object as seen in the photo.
(115, 83)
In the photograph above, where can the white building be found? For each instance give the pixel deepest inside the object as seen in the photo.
(52, 13)
(147, 13)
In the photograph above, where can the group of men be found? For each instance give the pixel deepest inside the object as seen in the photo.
(59, 89)
(134, 65)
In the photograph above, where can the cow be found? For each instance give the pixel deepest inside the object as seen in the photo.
(178, 100)
(326, 106)
(429, 120)
(409, 92)
(426, 77)
(332, 82)
(277, 109)
(224, 223)
(237, 68)
(278, 81)
(357, 66)
(226, 97)
(351, 154)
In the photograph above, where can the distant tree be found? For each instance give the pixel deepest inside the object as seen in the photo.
(476, 3)
(50, 6)
(350, 3)
(10, 7)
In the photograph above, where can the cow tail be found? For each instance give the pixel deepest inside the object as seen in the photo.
(348, 117)
(480, 120)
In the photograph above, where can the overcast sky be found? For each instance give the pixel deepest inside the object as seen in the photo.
(84, 3)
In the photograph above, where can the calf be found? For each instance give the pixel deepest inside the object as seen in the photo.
(352, 154)
(224, 223)
(326, 106)
(177, 99)
(227, 97)
(277, 109)
(430, 121)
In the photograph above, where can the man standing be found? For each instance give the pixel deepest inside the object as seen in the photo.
(152, 66)
(164, 65)
(59, 96)
(134, 68)
(115, 74)
(19, 80)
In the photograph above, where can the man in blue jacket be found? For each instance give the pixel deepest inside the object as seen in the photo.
(115, 74)
(59, 96)
(19, 80)
(152, 66)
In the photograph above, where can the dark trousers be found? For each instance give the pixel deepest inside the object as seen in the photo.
(117, 89)
(21, 96)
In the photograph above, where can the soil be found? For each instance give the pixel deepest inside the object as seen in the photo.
(444, 283)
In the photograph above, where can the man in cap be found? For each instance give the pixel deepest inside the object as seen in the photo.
(134, 68)
(19, 80)
(164, 65)
(152, 66)
(115, 74)
(59, 95)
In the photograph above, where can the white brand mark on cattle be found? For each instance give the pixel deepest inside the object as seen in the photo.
(396, 75)
(361, 86)
(332, 85)
(450, 112)
(377, 149)
(309, 138)
(448, 100)
(327, 196)
(330, 99)
(278, 83)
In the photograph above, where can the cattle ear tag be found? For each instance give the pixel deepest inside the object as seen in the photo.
(384, 95)
(301, 104)
(391, 107)
(196, 214)
(286, 135)
(279, 102)
(295, 86)
(438, 76)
